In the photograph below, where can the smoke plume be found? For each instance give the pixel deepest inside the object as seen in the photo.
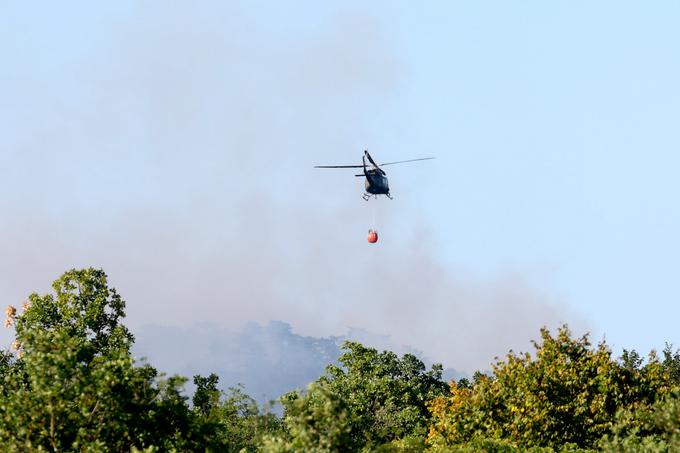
(173, 145)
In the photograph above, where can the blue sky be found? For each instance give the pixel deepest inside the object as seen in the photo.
(559, 129)
(172, 145)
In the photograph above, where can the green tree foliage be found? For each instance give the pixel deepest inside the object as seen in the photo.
(244, 424)
(373, 398)
(671, 363)
(73, 385)
(236, 421)
(83, 307)
(655, 428)
(317, 422)
(567, 394)
(631, 360)
(207, 396)
(651, 427)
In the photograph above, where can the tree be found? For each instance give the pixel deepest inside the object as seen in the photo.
(653, 428)
(568, 394)
(373, 398)
(319, 421)
(671, 363)
(235, 419)
(244, 423)
(84, 307)
(631, 360)
(73, 384)
(206, 396)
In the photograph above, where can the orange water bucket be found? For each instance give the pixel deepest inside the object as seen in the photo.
(372, 236)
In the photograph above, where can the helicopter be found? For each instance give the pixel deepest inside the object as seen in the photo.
(376, 178)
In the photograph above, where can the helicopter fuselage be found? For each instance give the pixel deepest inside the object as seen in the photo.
(376, 183)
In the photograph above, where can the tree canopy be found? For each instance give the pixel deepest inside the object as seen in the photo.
(567, 393)
(70, 383)
(371, 399)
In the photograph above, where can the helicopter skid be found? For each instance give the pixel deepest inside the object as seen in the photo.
(367, 196)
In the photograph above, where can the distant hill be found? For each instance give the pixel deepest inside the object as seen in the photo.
(268, 360)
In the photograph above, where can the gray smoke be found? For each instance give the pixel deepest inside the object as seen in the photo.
(269, 360)
(173, 145)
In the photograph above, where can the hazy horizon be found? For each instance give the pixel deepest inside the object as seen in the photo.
(173, 146)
